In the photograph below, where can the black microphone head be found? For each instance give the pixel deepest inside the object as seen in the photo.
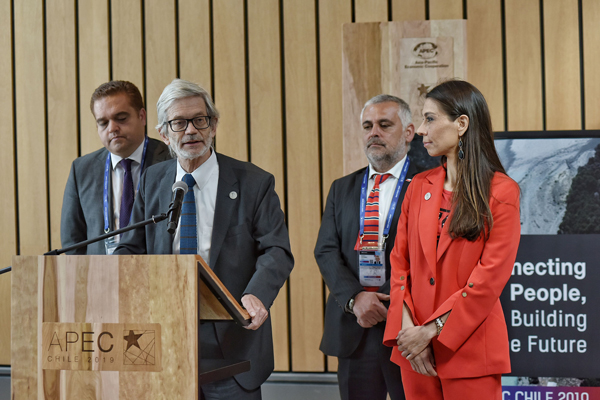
(180, 185)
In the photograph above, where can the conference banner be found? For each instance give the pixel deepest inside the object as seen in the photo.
(551, 302)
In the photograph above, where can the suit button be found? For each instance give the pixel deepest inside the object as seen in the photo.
(464, 294)
(401, 287)
(402, 278)
(471, 284)
(432, 281)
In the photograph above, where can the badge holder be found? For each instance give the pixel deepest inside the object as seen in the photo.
(371, 265)
(110, 244)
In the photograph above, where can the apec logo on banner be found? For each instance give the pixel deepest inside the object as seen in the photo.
(549, 306)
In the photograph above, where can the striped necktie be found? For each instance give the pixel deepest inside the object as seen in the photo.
(371, 232)
(127, 195)
(188, 239)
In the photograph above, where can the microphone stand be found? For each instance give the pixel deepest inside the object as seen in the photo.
(153, 220)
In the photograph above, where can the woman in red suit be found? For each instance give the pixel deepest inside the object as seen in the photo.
(456, 245)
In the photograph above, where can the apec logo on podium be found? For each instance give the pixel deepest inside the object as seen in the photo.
(101, 347)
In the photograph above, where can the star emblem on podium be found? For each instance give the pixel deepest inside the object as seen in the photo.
(139, 347)
(132, 340)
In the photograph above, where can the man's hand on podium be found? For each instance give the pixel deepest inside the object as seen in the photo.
(256, 309)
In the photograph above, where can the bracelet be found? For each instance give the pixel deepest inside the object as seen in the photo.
(439, 325)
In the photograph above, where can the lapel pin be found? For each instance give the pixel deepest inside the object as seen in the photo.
(232, 195)
(427, 196)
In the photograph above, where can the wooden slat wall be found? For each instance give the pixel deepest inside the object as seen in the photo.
(484, 44)
(370, 10)
(230, 77)
(266, 126)
(303, 167)
(275, 69)
(561, 52)
(31, 125)
(127, 50)
(94, 66)
(161, 54)
(591, 48)
(61, 70)
(523, 65)
(8, 217)
(445, 9)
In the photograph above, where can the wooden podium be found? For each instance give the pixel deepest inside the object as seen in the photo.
(115, 327)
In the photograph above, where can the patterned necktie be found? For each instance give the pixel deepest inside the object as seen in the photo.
(127, 195)
(371, 232)
(188, 239)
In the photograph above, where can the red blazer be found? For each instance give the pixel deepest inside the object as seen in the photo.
(462, 276)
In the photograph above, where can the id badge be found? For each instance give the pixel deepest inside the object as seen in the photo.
(110, 245)
(371, 263)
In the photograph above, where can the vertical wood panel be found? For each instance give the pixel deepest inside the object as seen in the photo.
(370, 10)
(266, 126)
(363, 68)
(408, 10)
(30, 123)
(62, 104)
(161, 54)
(194, 50)
(445, 9)
(5, 316)
(8, 244)
(93, 65)
(591, 51)
(127, 50)
(230, 77)
(561, 55)
(332, 14)
(523, 65)
(304, 212)
(484, 52)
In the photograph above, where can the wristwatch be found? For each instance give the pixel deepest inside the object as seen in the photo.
(439, 324)
(350, 306)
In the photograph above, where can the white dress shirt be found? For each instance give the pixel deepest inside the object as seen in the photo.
(386, 191)
(118, 172)
(205, 193)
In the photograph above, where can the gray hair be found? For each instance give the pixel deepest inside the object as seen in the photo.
(179, 89)
(403, 108)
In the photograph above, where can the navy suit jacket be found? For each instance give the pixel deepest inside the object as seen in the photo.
(250, 249)
(338, 261)
(82, 217)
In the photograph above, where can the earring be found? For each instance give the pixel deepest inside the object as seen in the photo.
(461, 153)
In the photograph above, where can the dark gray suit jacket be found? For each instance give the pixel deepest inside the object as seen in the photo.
(82, 217)
(338, 261)
(250, 249)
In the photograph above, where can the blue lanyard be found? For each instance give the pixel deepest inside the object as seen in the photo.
(363, 200)
(106, 201)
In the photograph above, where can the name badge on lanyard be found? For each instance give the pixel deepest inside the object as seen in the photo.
(371, 255)
(111, 243)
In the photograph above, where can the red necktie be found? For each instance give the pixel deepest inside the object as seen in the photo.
(371, 232)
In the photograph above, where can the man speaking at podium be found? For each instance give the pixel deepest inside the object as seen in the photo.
(231, 216)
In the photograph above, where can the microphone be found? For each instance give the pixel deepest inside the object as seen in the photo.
(180, 188)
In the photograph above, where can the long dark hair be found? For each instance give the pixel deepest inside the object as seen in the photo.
(471, 213)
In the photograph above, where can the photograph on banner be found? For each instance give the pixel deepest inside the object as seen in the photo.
(550, 301)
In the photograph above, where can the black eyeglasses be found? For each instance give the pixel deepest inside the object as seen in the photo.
(179, 125)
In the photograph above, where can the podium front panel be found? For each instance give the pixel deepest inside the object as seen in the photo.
(104, 327)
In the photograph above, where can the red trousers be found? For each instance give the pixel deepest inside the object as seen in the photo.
(421, 387)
